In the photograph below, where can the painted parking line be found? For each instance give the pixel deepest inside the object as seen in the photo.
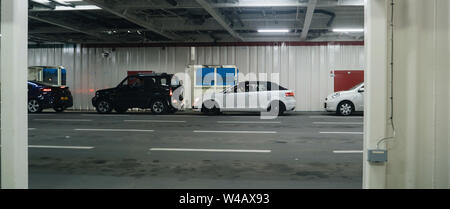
(338, 123)
(355, 133)
(250, 122)
(31, 129)
(237, 132)
(156, 121)
(209, 150)
(64, 120)
(347, 151)
(60, 147)
(338, 117)
(114, 130)
(103, 115)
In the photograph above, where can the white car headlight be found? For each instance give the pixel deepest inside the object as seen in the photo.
(335, 95)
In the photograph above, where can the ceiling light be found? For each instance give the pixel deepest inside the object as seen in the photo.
(348, 30)
(80, 7)
(42, 1)
(273, 31)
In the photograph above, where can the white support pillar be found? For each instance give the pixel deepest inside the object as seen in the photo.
(376, 87)
(14, 120)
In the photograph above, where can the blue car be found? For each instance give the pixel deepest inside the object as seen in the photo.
(42, 96)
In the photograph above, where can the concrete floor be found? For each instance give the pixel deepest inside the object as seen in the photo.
(288, 152)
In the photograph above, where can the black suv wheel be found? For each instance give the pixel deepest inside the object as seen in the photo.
(158, 107)
(104, 107)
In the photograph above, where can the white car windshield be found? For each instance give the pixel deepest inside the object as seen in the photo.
(355, 87)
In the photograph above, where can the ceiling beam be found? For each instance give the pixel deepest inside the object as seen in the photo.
(262, 3)
(309, 15)
(69, 27)
(220, 18)
(134, 19)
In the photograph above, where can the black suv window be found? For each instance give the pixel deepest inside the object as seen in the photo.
(133, 82)
(164, 81)
(150, 82)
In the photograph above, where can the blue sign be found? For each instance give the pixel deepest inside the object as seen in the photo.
(225, 76)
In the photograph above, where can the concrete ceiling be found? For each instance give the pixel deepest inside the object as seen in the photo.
(137, 21)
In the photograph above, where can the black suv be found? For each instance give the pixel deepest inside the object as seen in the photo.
(152, 91)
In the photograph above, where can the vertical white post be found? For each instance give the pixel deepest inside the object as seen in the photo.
(376, 87)
(14, 120)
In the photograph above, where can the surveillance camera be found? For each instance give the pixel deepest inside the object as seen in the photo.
(105, 54)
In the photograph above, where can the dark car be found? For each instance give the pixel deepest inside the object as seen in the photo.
(42, 96)
(152, 91)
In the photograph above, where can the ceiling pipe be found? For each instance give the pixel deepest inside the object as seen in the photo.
(331, 14)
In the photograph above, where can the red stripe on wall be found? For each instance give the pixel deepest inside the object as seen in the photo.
(208, 44)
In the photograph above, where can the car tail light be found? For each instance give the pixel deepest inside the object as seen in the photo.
(46, 90)
(289, 94)
(171, 92)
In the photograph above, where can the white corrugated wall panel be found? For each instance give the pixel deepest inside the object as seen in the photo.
(303, 69)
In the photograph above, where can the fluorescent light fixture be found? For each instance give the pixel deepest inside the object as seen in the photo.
(79, 7)
(273, 31)
(348, 30)
(42, 1)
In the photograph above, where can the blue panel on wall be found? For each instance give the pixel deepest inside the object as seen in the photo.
(225, 76)
(205, 77)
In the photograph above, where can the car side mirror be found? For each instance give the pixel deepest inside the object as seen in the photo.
(361, 90)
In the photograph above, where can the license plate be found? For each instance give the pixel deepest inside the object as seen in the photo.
(64, 98)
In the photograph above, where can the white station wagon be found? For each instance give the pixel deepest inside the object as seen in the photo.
(248, 96)
(346, 102)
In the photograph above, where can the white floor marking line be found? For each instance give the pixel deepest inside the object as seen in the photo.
(244, 116)
(338, 117)
(237, 132)
(360, 133)
(157, 121)
(114, 130)
(31, 129)
(59, 147)
(209, 150)
(102, 115)
(347, 151)
(251, 122)
(64, 120)
(339, 123)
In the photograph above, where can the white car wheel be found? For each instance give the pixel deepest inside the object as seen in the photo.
(345, 108)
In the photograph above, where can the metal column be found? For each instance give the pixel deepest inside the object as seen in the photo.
(376, 85)
(14, 119)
